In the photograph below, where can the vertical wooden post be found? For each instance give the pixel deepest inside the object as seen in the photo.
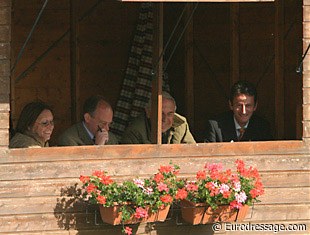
(156, 112)
(189, 67)
(74, 61)
(5, 56)
(234, 35)
(279, 67)
(306, 73)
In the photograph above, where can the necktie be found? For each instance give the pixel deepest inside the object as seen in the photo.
(241, 132)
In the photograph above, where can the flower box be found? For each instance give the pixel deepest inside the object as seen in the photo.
(160, 215)
(112, 215)
(201, 213)
(131, 201)
(226, 194)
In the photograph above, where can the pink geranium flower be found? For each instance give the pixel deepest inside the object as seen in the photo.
(218, 186)
(162, 187)
(141, 213)
(127, 230)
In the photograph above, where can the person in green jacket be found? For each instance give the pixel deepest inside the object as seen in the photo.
(34, 127)
(175, 129)
(94, 129)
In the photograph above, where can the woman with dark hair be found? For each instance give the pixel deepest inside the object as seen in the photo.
(34, 127)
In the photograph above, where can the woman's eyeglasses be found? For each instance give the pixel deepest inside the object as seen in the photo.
(46, 123)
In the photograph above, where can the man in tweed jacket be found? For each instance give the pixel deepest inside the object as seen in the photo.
(175, 129)
(94, 129)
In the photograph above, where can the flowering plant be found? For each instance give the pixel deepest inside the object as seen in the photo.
(160, 189)
(215, 186)
(136, 198)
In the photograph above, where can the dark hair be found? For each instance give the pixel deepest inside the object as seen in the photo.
(243, 87)
(30, 114)
(91, 104)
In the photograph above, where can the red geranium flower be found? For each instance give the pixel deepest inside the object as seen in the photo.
(166, 198)
(181, 194)
(101, 199)
(201, 175)
(166, 169)
(91, 188)
(99, 174)
(84, 179)
(106, 180)
(158, 177)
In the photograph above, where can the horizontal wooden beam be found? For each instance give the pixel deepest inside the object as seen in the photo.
(197, 1)
(150, 151)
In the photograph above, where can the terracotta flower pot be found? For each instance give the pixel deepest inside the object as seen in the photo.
(112, 215)
(160, 215)
(200, 213)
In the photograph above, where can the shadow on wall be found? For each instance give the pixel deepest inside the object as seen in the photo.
(73, 213)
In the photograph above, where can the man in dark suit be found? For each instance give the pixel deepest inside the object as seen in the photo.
(240, 124)
(94, 129)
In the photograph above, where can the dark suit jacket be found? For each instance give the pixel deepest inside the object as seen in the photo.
(77, 135)
(222, 129)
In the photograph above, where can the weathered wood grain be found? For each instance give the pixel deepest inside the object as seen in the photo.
(144, 166)
(227, 1)
(66, 204)
(80, 222)
(58, 186)
(4, 137)
(164, 230)
(306, 13)
(151, 151)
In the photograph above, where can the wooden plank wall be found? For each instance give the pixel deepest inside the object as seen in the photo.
(213, 73)
(105, 31)
(5, 38)
(37, 185)
(306, 71)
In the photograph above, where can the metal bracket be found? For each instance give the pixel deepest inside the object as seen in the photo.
(299, 68)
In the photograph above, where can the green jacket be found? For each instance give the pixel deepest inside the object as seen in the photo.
(26, 140)
(139, 131)
(77, 135)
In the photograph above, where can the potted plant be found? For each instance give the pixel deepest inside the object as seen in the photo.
(132, 201)
(219, 195)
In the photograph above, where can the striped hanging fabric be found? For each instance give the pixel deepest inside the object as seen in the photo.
(137, 85)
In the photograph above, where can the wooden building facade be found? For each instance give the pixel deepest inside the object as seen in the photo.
(260, 41)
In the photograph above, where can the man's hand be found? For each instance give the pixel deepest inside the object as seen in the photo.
(102, 137)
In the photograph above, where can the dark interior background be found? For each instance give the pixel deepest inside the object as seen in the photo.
(104, 40)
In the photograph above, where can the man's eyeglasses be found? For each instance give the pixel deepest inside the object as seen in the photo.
(46, 123)
(104, 124)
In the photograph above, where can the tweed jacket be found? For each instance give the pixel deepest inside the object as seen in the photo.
(222, 129)
(26, 140)
(139, 131)
(77, 135)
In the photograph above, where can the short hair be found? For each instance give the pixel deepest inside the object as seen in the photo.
(165, 95)
(90, 105)
(29, 115)
(243, 87)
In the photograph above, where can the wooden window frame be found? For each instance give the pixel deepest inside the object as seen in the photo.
(259, 148)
